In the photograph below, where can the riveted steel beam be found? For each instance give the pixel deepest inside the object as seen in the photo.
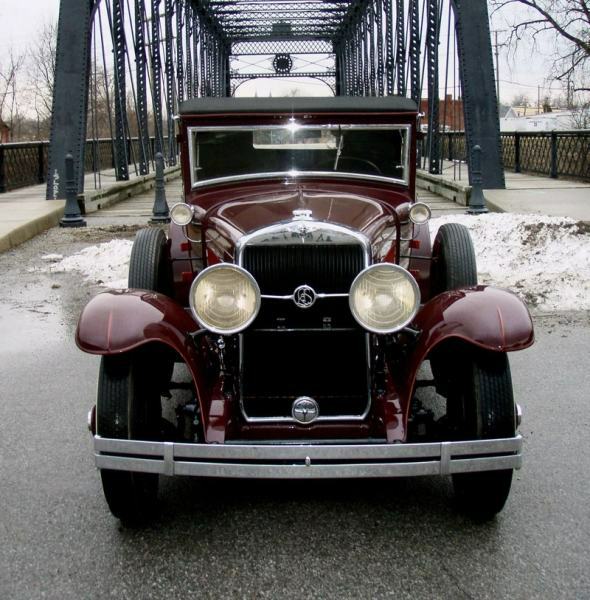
(400, 50)
(479, 90)
(170, 82)
(70, 95)
(180, 50)
(157, 78)
(415, 50)
(120, 92)
(141, 84)
(432, 29)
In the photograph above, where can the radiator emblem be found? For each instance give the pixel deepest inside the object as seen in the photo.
(305, 409)
(304, 296)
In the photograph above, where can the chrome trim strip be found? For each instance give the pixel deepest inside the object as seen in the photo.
(294, 227)
(296, 174)
(292, 296)
(388, 460)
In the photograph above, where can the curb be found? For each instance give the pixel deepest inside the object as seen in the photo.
(30, 228)
(92, 201)
(440, 185)
(47, 213)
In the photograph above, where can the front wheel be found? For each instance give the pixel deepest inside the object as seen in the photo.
(453, 259)
(128, 407)
(480, 405)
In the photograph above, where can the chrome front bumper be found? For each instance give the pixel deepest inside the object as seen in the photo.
(308, 461)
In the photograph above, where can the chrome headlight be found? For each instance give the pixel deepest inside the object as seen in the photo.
(384, 298)
(225, 298)
(182, 214)
(419, 213)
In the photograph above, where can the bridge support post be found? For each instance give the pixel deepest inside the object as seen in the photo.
(70, 95)
(160, 212)
(479, 90)
(72, 215)
(477, 201)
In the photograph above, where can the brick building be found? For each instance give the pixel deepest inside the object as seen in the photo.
(450, 113)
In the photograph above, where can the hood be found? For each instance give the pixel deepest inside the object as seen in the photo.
(236, 218)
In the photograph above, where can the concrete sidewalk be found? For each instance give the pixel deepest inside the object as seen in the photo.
(524, 193)
(24, 213)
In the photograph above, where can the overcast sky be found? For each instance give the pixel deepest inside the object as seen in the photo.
(21, 19)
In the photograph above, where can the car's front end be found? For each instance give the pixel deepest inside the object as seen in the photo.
(304, 307)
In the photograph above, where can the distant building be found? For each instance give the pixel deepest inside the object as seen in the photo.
(450, 113)
(550, 121)
(528, 110)
(4, 132)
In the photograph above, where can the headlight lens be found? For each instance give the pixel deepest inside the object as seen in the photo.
(420, 213)
(384, 298)
(225, 298)
(181, 214)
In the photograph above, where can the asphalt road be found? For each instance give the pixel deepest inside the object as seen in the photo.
(217, 539)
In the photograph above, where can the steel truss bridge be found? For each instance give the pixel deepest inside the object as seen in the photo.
(124, 65)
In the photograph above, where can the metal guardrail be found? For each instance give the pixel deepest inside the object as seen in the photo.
(552, 153)
(23, 164)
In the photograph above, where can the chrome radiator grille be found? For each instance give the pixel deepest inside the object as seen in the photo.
(326, 268)
(290, 352)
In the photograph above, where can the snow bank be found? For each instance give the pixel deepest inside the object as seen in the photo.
(106, 264)
(546, 260)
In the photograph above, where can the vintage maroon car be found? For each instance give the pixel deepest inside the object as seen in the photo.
(299, 287)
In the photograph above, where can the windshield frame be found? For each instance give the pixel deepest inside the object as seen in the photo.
(192, 130)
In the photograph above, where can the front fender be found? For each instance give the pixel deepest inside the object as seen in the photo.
(486, 317)
(118, 321)
(115, 322)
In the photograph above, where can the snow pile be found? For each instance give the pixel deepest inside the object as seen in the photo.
(546, 260)
(106, 264)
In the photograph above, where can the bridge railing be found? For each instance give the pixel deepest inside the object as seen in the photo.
(552, 153)
(24, 164)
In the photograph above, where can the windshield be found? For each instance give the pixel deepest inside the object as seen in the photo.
(360, 150)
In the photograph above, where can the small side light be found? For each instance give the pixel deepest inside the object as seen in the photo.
(420, 213)
(182, 214)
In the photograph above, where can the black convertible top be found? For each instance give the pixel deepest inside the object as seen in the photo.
(349, 104)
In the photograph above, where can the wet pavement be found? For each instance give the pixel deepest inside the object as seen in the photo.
(217, 539)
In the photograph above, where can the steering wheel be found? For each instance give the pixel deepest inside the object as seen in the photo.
(371, 164)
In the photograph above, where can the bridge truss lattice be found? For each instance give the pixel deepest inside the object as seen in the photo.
(128, 63)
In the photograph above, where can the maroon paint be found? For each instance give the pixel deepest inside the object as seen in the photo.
(115, 322)
(487, 317)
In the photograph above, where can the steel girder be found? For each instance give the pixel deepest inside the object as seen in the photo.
(70, 95)
(170, 82)
(141, 83)
(479, 89)
(432, 35)
(120, 92)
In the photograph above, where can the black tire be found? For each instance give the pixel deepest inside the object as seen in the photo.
(453, 264)
(149, 265)
(150, 269)
(128, 407)
(481, 406)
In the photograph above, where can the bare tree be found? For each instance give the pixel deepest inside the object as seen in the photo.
(567, 20)
(42, 60)
(9, 89)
